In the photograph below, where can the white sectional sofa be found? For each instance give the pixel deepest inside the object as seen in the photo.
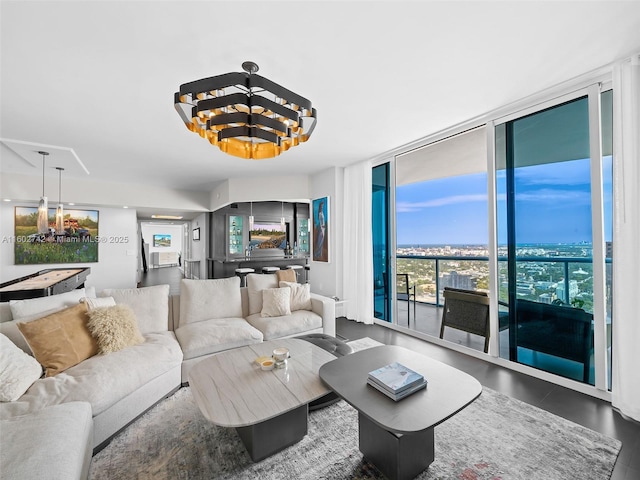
(81, 408)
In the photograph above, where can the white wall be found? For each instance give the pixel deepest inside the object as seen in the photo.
(326, 278)
(290, 188)
(91, 192)
(199, 248)
(176, 232)
(117, 261)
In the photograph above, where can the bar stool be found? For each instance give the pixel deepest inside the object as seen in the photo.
(307, 270)
(295, 268)
(242, 273)
(270, 269)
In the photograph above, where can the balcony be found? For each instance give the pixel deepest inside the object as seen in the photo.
(540, 278)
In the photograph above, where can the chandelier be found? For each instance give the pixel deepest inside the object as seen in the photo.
(244, 114)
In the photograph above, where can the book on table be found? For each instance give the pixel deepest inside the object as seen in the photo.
(395, 378)
(403, 393)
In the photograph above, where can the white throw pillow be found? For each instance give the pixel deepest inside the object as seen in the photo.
(210, 299)
(255, 284)
(33, 306)
(276, 302)
(149, 304)
(93, 303)
(300, 295)
(18, 371)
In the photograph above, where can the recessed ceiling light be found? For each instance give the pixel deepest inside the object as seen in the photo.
(167, 217)
(70, 203)
(125, 206)
(6, 199)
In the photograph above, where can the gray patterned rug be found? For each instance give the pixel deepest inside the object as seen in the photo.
(495, 438)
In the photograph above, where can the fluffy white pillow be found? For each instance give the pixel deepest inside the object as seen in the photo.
(300, 295)
(18, 371)
(34, 306)
(255, 284)
(210, 299)
(276, 302)
(149, 304)
(114, 328)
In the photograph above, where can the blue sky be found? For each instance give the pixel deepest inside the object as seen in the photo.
(552, 206)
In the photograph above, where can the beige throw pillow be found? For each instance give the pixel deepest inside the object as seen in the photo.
(60, 340)
(287, 275)
(276, 302)
(114, 328)
(300, 295)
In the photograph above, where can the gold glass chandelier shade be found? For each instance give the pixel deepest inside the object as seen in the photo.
(245, 115)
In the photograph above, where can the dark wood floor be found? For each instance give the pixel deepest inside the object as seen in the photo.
(577, 407)
(171, 276)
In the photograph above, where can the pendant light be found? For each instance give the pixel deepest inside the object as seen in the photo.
(59, 210)
(251, 218)
(43, 207)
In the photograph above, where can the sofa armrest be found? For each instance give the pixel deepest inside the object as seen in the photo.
(326, 308)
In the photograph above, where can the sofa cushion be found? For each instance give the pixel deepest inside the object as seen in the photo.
(103, 380)
(276, 302)
(300, 295)
(34, 306)
(17, 371)
(255, 284)
(100, 302)
(294, 324)
(209, 299)
(211, 336)
(54, 443)
(114, 328)
(149, 304)
(60, 340)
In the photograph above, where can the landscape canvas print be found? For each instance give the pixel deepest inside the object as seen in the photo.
(78, 243)
(162, 240)
(321, 229)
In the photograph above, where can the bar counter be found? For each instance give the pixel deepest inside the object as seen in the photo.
(226, 267)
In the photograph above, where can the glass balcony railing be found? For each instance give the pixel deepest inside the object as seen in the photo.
(564, 280)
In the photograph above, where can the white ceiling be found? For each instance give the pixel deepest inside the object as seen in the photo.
(98, 77)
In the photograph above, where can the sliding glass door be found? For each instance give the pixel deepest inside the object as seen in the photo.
(550, 214)
(381, 242)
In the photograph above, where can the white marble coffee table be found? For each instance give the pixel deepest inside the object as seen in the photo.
(267, 408)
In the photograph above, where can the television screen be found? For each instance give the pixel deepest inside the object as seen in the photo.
(268, 235)
(162, 240)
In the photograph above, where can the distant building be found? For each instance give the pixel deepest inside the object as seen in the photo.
(573, 291)
(458, 280)
(545, 298)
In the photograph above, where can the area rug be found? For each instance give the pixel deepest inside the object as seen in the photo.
(495, 438)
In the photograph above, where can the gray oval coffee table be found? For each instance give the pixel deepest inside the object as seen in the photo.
(397, 437)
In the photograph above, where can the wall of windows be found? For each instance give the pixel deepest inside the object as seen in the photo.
(548, 239)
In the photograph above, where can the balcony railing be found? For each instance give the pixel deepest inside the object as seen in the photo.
(531, 272)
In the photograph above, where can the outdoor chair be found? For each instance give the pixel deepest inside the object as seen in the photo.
(405, 291)
(558, 330)
(466, 310)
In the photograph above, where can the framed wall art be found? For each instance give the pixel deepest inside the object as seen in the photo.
(321, 231)
(77, 244)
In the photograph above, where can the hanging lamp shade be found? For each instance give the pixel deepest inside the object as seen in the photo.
(60, 209)
(43, 205)
(244, 114)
